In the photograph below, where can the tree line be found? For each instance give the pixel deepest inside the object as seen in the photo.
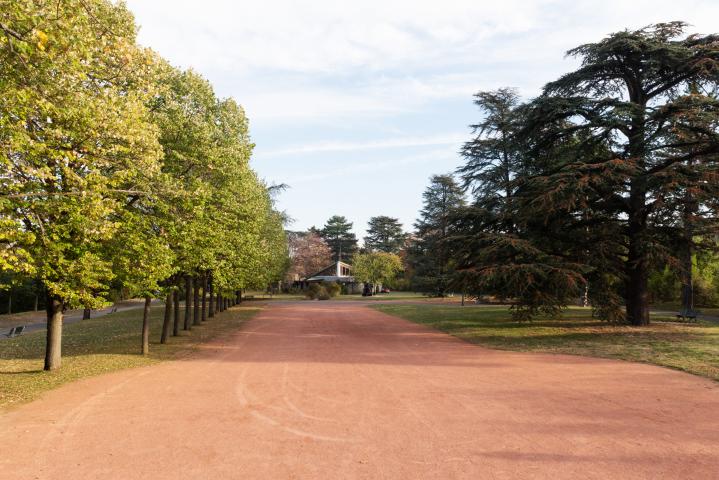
(121, 172)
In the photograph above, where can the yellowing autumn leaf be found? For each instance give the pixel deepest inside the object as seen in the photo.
(42, 39)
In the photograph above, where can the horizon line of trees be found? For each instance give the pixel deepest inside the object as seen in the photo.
(123, 173)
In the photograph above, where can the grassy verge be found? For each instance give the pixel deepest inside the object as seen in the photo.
(675, 307)
(97, 346)
(384, 296)
(693, 348)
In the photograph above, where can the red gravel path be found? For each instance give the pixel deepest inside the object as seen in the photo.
(337, 391)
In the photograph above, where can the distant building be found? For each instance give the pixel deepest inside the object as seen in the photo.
(341, 273)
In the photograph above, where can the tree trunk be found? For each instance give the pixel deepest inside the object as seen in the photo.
(196, 302)
(686, 250)
(176, 323)
(188, 302)
(86, 313)
(219, 303)
(687, 277)
(204, 297)
(212, 297)
(146, 326)
(53, 346)
(37, 301)
(637, 268)
(238, 297)
(167, 321)
(9, 303)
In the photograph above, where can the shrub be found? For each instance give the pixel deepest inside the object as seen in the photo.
(333, 289)
(315, 290)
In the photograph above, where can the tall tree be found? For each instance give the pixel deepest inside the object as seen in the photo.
(495, 155)
(384, 234)
(77, 142)
(337, 232)
(643, 140)
(430, 254)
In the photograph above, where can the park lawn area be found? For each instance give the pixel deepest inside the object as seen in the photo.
(96, 346)
(691, 347)
(676, 307)
(259, 295)
(385, 296)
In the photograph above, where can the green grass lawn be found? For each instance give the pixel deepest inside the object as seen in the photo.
(384, 296)
(692, 347)
(100, 345)
(676, 307)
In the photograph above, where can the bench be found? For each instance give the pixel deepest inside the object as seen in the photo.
(15, 331)
(690, 315)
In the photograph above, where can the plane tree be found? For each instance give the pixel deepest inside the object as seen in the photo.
(77, 143)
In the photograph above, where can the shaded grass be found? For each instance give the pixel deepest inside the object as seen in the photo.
(8, 321)
(96, 346)
(676, 307)
(693, 347)
(384, 296)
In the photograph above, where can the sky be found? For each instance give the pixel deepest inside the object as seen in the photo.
(355, 104)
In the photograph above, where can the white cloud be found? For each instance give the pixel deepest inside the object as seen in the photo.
(373, 166)
(334, 146)
(326, 59)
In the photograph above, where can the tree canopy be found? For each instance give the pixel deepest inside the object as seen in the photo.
(609, 167)
(337, 232)
(430, 252)
(376, 268)
(384, 234)
(119, 170)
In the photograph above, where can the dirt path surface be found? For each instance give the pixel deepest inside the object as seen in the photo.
(340, 391)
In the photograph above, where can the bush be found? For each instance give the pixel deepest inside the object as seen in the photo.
(323, 291)
(314, 290)
(333, 289)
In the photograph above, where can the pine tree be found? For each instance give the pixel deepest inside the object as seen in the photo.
(384, 234)
(642, 141)
(337, 232)
(430, 254)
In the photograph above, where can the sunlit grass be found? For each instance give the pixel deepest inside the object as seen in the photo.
(690, 347)
(96, 346)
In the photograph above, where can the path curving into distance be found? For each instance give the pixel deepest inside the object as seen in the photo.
(337, 390)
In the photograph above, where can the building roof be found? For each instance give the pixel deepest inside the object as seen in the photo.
(334, 270)
(331, 278)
